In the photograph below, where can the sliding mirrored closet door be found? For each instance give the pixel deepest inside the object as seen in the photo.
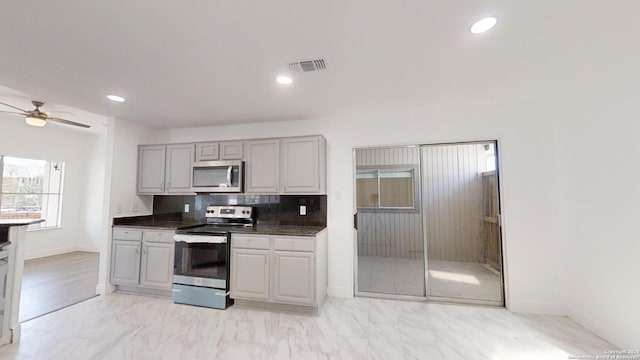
(390, 244)
(462, 225)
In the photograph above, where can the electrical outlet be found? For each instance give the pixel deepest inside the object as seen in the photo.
(303, 210)
(118, 209)
(186, 208)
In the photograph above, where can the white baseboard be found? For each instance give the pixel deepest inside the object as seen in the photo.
(614, 334)
(340, 292)
(87, 249)
(537, 308)
(59, 251)
(102, 289)
(49, 252)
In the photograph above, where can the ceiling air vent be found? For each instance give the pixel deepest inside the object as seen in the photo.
(309, 65)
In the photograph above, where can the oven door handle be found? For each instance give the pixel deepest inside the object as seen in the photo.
(200, 239)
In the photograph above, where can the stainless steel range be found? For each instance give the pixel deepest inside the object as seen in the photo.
(201, 268)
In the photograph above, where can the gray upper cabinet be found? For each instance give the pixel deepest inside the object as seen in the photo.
(226, 150)
(178, 169)
(151, 166)
(263, 166)
(288, 165)
(164, 169)
(231, 150)
(301, 165)
(208, 151)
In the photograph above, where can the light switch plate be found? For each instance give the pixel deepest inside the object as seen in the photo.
(186, 208)
(303, 210)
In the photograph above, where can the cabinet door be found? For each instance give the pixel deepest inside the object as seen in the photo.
(293, 277)
(125, 262)
(151, 166)
(231, 150)
(179, 160)
(250, 274)
(157, 265)
(263, 166)
(300, 165)
(207, 151)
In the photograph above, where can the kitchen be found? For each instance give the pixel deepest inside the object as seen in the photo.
(555, 122)
(232, 233)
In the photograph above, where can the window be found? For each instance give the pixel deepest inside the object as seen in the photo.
(386, 188)
(31, 189)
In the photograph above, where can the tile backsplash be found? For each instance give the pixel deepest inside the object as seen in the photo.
(282, 209)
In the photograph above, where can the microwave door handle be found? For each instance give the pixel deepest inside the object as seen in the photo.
(229, 172)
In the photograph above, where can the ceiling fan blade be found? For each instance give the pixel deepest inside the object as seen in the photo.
(68, 122)
(14, 107)
(13, 112)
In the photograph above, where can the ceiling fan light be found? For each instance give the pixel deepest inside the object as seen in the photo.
(34, 121)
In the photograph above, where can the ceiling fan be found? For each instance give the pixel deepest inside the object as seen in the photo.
(39, 118)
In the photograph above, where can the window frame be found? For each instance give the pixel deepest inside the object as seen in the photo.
(414, 169)
(49, 164)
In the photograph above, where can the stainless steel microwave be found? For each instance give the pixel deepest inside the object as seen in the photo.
(217, 176)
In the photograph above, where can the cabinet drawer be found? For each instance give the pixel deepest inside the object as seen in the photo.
(294, 244)
(127, 234)
(158, 236)
(250, 242)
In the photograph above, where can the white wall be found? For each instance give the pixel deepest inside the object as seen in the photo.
(523, 130)
(71, 146)
(126, 138)
(121, 164)
(599, 207)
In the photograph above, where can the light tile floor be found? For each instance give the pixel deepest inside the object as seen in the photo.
(121, 326)
(401, 276)
(465, 280)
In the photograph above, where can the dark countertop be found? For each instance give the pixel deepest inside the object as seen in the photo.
(147, 222)
(19, 222)
(275, 229)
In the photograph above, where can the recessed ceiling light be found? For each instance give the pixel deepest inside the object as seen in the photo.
(284, 79)
(116, 98)
(483, 25)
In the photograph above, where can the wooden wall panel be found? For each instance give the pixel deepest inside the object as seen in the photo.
(387, 233)
(452, 202)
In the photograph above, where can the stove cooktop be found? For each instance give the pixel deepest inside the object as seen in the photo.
(208, 229)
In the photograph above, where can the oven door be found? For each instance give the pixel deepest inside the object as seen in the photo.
(201, 260)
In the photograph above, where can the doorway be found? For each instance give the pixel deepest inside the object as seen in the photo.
(428, 222)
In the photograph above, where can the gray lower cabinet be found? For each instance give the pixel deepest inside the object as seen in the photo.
(125, 262)
(142, 258)
(157, 265)
(293, 277)
(280, 270)
(250, 269)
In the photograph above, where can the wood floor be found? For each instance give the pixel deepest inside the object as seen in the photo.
(55, 282)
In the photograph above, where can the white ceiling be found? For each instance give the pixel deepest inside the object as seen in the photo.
(199, 62)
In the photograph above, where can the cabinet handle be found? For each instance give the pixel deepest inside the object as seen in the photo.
(137, 249)
(145, 250)
(4, 288)
(162, 186)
